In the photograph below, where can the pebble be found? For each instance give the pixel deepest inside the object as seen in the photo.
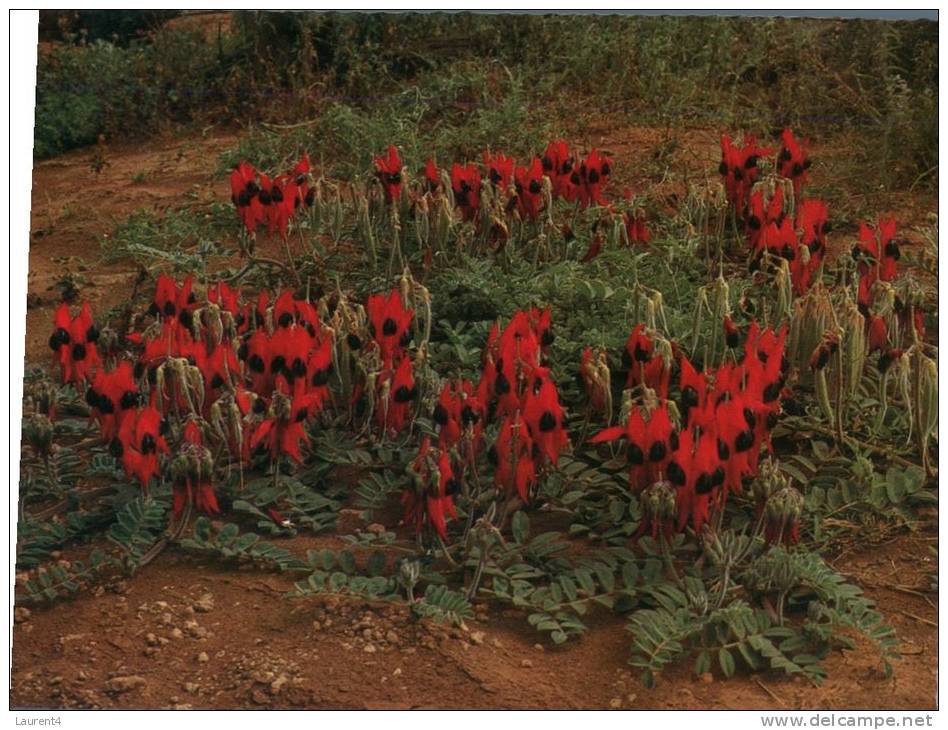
(177, 633)
(391, 637)
(707, 678)
(203, 657)
(151, 639)
(369, 649)
(477, 637)
(191, 687)
(260, 697)
(125, 684)
(21, 614)
(526, 663)
(205, 604)
(615, 703)
(317, 626)
(397, 672)
(539, 647)
(277, 685)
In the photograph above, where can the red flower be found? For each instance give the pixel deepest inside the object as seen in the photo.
(878, 334)
(74, 342)
(634, 431)
(432, 175)
(244, 192)
(466, 186)
(529, 185)
(111, 396)
(544, 415)
(193, 469)
(793, 162)
(431, 500)
(138, 444)
(389, 172)
(397, 390)
(590, 177)
(739, 168)
(558, 165)
(389, 322)
(514, 449)
(284, 430)
(500, 169)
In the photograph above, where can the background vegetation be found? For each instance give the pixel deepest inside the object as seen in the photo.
(459, 76)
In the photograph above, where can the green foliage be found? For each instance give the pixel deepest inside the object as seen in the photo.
(57, 581)
(138, 526)
(230, 544)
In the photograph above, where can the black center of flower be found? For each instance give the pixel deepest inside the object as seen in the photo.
(704, 484)
(394, 178)
(892, 250)
(494, 176)
(547, 338)
(797, 170)
(278, 364)
(276, 195)
(92, 334)
(451, 487)
(404, 394)
(640, 353)
(547, 163)
(354, 342)
(634, 455)
(689, 397)
(389, 327)
(469, 416)
(310, 197)
(301, 415)
(217, 381)
(722, 168)
(169, 309)
(285, 320)
(92, 398)
(723, 451)
(298, 368)
(750, 418)
(148, 444)
(259, 406)
(743, 442)
(547, 421)
(440, 415)
(256, 363)
(186, 318)
(657, 451)
(129, 400)
(733, 339)
(242, 351)
(593, 176)
(116, 448)
(772, 392)
(502, 385)
(59, 338)
(751, 162)
(321, 377)
(264, 197)
(535, 187)
(243, 199)
(785, 154)
(79, 351)
(676, 475)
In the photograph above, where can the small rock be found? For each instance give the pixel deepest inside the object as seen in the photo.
(707, 678)
(317, 626)
(191, 687)
(151, 639)
(166, 619)
(391, 637)
(183, 706)
(369, 648)
(203, 657)
(526, 663)
(477, 637)
(177, 633)
(277, 685)
(21, 614)
(497, 644)
(205, 604)
(376, 529)
(125, 684)
(397, 672)
(615, 703)
(539, 647)
(260, 697)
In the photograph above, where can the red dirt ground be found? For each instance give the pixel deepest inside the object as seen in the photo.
(187, 633)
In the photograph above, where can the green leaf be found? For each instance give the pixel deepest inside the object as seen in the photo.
(520, 527)
(727, 662)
